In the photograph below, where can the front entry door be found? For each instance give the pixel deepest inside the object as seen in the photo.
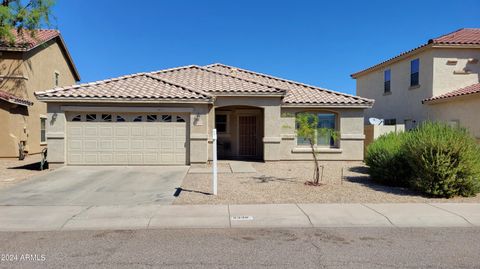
(247, 132)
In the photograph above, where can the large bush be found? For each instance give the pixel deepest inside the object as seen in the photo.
(445, 161)
(386, 161)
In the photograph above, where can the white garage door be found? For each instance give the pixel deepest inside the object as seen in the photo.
(126, 139)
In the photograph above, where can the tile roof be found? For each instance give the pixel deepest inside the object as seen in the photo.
(214, 82)
(14, 99)
(464, 36)
(472, 89)
(296, 93)
(24, 41)
(141, 87)
(203, 83)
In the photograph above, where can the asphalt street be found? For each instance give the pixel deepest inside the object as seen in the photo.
(245, 248)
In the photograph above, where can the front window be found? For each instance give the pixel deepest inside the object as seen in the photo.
(43, 124)
(386, 83)
(221, 123)
(414, 72)
(325, 121)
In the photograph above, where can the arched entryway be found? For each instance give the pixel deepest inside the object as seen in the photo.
(240, 132)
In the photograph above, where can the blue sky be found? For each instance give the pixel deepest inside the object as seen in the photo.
(315, 42)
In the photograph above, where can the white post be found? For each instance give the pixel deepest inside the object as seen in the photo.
(214, 136)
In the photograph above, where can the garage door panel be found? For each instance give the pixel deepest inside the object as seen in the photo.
(75, 132)
(122, 131)
(157, 142)
(120, 158)
(151, 158)
(91, 131)
(166, 131)
(75, 158)
(75, 144)
(105, 131)
(151, 131)
(136, 130)
(106, 144)
(136, 144)
(106, 158)
(90, 145)
(90, 158)
(136, 158)
(122, 144)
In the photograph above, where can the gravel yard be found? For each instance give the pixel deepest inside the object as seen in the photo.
(13, 171)
(284, 183)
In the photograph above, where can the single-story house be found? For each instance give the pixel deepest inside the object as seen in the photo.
(166, 118)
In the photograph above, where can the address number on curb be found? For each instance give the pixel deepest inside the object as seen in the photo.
(242, 218)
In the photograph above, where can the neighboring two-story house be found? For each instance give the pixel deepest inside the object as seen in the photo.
(438, 81)
(30, 63)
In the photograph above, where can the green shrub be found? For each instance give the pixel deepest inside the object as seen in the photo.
(445, 161)
(386, 162)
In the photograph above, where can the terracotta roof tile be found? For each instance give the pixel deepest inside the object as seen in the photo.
(14, 99)
(25, 40)
(142, 86)
(464, 36)
(475, 88)
(202, 83)
(297, 93)
(211, 81)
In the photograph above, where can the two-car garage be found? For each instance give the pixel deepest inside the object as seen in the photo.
(106, 138)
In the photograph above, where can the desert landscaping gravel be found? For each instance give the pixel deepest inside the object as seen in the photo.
(284, 183)
(13, 171)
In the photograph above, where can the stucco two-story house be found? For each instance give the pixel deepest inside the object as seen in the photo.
(166, 117)
(30, 63)
(439, 81)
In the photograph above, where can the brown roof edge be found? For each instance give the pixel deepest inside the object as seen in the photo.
(14, 100)
(69, 57)
(289, 81)
(461, 38)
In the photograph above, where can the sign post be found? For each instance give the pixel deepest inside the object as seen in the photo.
(214, 136)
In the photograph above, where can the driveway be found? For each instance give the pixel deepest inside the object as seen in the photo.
(98, 185)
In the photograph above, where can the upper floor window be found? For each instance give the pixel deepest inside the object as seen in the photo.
(56, 79)
(414, 72)
(386, 81)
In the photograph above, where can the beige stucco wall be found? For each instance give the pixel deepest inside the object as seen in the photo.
(350, 143)
(464, 110)
(197, 136)
(448, 77)
(271, 129)
(404, 102)
(35, 71)
(441, 71)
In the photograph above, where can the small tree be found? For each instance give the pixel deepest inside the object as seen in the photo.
(20, 15)
(308, 129)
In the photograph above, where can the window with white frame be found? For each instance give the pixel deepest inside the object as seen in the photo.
(327, 121)
(43, 130)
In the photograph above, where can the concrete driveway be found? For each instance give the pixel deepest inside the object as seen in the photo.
(98, 185)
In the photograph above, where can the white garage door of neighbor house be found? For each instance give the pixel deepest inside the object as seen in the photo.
(126, 139)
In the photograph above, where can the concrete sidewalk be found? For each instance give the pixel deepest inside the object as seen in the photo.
(54, 218)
